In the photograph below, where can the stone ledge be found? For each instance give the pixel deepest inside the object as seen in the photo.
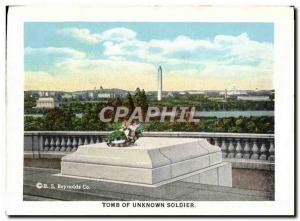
(175, 191)
(158, 134)
(44, 154)
(181, 177)
(251, 164)
(236, 163)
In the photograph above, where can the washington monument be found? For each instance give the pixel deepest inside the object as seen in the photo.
(159, 83)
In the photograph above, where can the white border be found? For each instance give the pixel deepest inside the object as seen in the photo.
(284, 106)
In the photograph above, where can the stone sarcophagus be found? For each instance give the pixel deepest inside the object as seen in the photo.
(152, 161)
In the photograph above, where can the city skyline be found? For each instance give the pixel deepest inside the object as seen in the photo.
(72, 56)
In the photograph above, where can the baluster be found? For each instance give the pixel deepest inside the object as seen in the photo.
(263, 152)
(57, 144)
(271, 151)
(224, 148)
(79, 141)
(46, 144)
(63, 144)
(69, 144)
(74, 144)
(97, 139)
(216, 141)
(255, 151)
(230, 149)
(91, 140)
(41, 143)
(52, 144)
(86, 142)
(239, 149)
(246, 150)
(208, 140)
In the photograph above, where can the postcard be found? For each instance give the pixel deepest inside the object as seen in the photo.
(157, 110)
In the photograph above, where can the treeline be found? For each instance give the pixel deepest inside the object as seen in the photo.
(201, 102)
(67, 122)
(64, 118)
(204, 103)
(213, 124)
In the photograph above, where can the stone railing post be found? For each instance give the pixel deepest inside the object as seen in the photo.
(57, 144)
(255, 151)
(271, 151)
(85, 141)
(263, 151)
(69, 144)
(224, 148)
(246, 150)
(91, 140)
(52, 144)
(238, 149)
(79, 141)
(231, 149)
(46, 144)
(63, 144)
(74, 144)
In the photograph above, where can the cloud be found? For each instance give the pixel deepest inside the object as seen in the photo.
(231, 50)
(87, 74)
(84, 35)
(80, 34)
(123, 43)
(118, 34)
(45, 59)
(61, 52)
(215, 63)
(105, 65)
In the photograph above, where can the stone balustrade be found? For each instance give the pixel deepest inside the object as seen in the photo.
(233, 145)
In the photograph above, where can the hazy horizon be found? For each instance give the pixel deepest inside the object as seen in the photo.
(152, 90)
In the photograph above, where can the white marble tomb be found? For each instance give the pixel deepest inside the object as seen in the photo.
(152, 161)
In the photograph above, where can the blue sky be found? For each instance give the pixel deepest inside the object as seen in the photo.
(83, 55)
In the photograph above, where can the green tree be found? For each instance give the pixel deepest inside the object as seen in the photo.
(91, 120)
(129, 103)
(117, 102)
(58, 119)
(29, 102)
(33, 123)
(140, 100)
(240, 124)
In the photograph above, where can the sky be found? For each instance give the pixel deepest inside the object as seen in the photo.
(72, 56)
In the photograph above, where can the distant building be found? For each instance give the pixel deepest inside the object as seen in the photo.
(232, 93)
(170, 94)
(253, 98)
(105, 95)
(91, 94)
(196, 92)
(46, 102)
(76, 95)
(67, 96)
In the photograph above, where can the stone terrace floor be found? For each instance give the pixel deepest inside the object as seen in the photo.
(105, 191)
